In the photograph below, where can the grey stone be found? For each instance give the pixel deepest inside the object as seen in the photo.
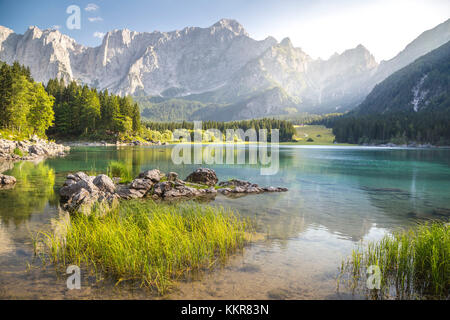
(104, 183)
(154, 175)
(204, 176)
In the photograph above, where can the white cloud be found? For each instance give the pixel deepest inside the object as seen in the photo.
(99, 34)
(95, 19)
(91, 7)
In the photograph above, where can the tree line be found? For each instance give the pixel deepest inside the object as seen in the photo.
(400, 128)
(83, 111)
(286, 129)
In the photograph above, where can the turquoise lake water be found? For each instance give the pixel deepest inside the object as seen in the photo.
(338, 197)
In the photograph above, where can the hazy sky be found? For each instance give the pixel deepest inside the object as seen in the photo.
(320, 28)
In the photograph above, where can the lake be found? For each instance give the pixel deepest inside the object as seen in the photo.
(338, 197)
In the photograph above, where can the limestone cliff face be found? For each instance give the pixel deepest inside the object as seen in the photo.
(219, 64)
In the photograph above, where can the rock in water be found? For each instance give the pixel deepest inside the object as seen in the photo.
(204, 176)
(7, 180)
(80, 191)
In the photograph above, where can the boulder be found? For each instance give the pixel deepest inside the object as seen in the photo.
(225, 191)
(161, 188)
(104, 183)
(237, 183)
(182, 191)
(7, 180)
(203, 176)
(127, 193)
(141, 184)
(80, 176)
(154, 175)
(70, 189)
(172, 176)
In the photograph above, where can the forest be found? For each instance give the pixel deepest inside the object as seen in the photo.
(60, 110)
(286, 129)
(399, 128)
(75, 111)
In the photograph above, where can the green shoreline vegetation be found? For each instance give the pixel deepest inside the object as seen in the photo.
(414, 264)
(153, 245)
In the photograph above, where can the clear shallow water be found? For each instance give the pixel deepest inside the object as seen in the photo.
(337, 197)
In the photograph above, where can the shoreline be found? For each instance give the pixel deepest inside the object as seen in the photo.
(32, 149)
(130, 144)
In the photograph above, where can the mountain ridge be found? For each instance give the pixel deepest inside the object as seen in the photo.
(219, 65)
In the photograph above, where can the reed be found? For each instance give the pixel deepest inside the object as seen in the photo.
(153, 244)
(414, 263)
(120, 170)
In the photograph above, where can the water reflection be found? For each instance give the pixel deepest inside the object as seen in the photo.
(32, 192)
(336, 197)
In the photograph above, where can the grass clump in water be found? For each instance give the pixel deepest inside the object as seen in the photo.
(414, 264)
(120, 170)
(153, 244)
(18, 152)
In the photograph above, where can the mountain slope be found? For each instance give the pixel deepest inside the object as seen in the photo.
(422, 85)
(424, 43)
(411, 106)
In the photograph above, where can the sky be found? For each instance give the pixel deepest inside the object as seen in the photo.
(319, 27)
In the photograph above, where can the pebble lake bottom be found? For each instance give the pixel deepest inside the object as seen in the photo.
(338, 197)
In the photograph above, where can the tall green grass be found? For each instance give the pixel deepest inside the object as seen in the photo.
(414, 264)
(120, 170)
(153, 244)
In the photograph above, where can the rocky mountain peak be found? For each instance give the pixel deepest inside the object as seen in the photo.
(231, 25)
(4, 30)
(357, 56)
(120, 37)
(34, 32)
(286, 42)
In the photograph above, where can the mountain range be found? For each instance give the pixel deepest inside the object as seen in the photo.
(214, 73)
